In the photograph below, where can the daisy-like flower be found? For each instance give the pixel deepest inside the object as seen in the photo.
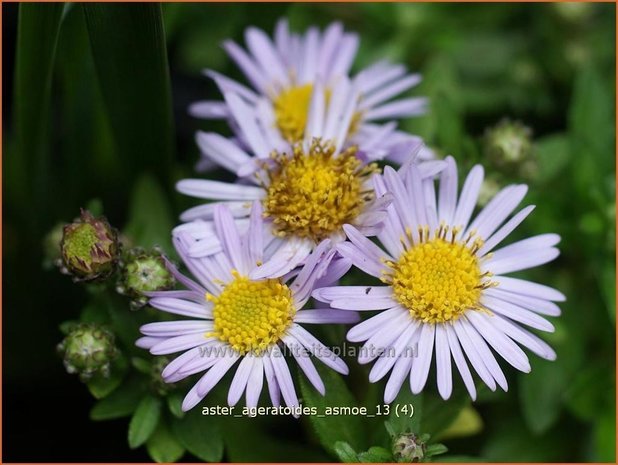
(445, 287)
(285, 72)
(309, 189)
(237, 318)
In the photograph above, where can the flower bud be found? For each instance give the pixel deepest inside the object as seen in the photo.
(88, 349)
(409, 447)
(89, 248)
(508, 144)
(574, 12)
(156, 380)
(489, 188)
(143, 272)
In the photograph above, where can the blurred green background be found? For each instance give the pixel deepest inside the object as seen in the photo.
(94, 107)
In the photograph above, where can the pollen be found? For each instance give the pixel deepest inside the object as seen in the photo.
(252, 315)
(313, 194)
(292, 109)
(438, 280)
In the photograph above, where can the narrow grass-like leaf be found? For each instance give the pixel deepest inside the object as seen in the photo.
(37, 36)
(151, 216)
(85, 153)
(128, 47)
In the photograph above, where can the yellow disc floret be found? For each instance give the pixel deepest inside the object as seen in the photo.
(314, 194)
(291, 109)
(252, 315)
(437, 280)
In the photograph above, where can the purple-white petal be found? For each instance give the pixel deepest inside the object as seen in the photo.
(420, 369)
(326, 316)
(205, 189)
(284, 378)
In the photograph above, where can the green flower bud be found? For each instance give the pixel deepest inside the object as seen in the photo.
(88, 349)
(51, 246)
(409, 447)
(143, 272)
(89, 248)
(489, 189)
(156, 381)
(574, 12)
(508, 144)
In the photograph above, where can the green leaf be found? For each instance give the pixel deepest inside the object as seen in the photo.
(542, 392)
(591, 129)
(94, 312)
(345, 452)
(37, 37)
(174, 404)
(144, 421)
(439, 414)
(128, 47)
(151, 219)
(375, 455)
(608, 286)
(467, 423)
(85, 127)
(511, 441)
(67, 326)
(95, 206)
(399, 424)
(163, 446)
(332, 428)
(120, 403)
(553, 155)
(450, 130)
(200, 435)
(101, 386)
(605, 437)
(588, 395)
(442, 127)
(460, 459)
(251, 439)
(435, 449)
(125, 323)
(591, 113)
(141, 365)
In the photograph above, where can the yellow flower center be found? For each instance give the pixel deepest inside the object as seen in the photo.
(438, 280)
(252, 315)
(292, 108)
(314, 194)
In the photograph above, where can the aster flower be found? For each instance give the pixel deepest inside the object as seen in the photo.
(309, 189)
(285, 71)
(445, 287)
(238, 318)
